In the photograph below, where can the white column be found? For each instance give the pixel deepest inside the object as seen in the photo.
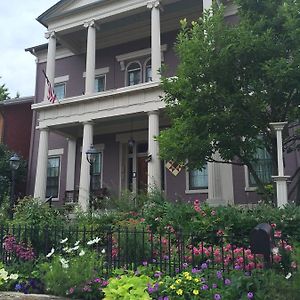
(207, 4)
(41, 168)
(280, 179)
(51, 54)
(154, 172)
(154, 5)
(214, 182)
(70, 180)
(90, 57)
(84, 185)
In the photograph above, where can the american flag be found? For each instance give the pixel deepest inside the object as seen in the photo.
(51, 96)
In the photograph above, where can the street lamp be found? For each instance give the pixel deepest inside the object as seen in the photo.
(14, 163)
(91, 156)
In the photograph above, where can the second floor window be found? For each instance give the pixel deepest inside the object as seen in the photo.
(198, 179)
(53, 171)
(134, 74)
(148, 71)
(100, 83)
(60, 90)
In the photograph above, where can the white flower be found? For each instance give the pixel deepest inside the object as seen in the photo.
(275, 251)
(75, 248)
(66, 249)
(81, 253)
(64, 240)
(13, 276)
(50, 253)
(103, 251)
(64, 263)
(77, 243)
(96, 240)
(3, 274)
(90, 242)
(288, 276)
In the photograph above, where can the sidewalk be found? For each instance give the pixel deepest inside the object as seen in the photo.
(19, 296)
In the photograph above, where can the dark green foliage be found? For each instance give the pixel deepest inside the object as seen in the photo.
(232, 81)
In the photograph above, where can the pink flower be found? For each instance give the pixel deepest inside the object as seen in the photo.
(277, 258)
(220, 232)
(213, 213)
(277, 234)
(273, 225)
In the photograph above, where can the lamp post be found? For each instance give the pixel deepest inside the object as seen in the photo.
(91, 156)
(14, 163)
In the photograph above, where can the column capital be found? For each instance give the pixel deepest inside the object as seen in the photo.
(91, 23)
(89, 122)
(153, 112)
(278, 126)
(50, 34)
(154, 4)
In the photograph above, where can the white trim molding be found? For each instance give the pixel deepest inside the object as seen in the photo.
(248, 188)
(61, 79)
(101, 71)
(58, 151)
(187, 186)
(135, 54)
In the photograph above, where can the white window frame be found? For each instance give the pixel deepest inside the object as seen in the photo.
(126, 73)
(187, 184)
(55, 154)
(145, 69)
(98, 76)
(99, 72)
(62, 80)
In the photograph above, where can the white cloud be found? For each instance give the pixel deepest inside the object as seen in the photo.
(20, 30)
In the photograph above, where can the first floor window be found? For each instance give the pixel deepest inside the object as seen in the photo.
(198, 179)
(97, 172)
(262, 167)
(60, 90)
(53, 177)
(100, 83)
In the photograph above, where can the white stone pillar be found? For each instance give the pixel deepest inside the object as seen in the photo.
(154, 5)
(51, 54)
(154, 172)
(214, 182)
(90, 57)
(42, 164)
(281, 179)
(70, 180)
(207, 4)
(84, 185)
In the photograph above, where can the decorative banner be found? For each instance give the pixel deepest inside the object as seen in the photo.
(174, 167)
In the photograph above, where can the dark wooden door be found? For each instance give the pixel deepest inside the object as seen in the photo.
(142, 167)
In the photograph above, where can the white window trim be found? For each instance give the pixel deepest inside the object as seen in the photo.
(136, 54)
(56, 152)
(101, 75)
(187, 186)
(144, 69)
(61, 79)
(98, 72)
(248, 188)
(59, 177)
(126, 72)
(64, 83)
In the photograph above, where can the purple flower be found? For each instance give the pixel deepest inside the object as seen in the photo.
(214, 286)
(177, 270)
(18, 287)
(203, 280)
(217, 297)
(157, 274)
(237, 267)
(204, 287)
(145, 263)
(227, 281)
(195, 271)
(166, 257)
(184, 265)
(219, 275)
(204, 266)
(250, 295)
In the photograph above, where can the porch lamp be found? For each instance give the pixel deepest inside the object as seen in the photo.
(14, 164)
(91, 156)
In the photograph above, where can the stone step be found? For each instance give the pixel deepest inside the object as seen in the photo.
(19, 296)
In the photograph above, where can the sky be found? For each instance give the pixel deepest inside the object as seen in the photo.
(20, 30)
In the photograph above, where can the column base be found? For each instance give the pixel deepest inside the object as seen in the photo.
(281, 189)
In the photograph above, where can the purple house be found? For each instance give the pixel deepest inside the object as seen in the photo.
(102, 58)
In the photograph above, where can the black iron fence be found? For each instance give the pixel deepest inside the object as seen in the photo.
(169, 252)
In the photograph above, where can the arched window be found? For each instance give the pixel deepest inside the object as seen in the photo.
(148, 70)
(134, 73)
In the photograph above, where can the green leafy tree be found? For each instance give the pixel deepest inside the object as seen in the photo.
(231, 82)
(3, 92)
